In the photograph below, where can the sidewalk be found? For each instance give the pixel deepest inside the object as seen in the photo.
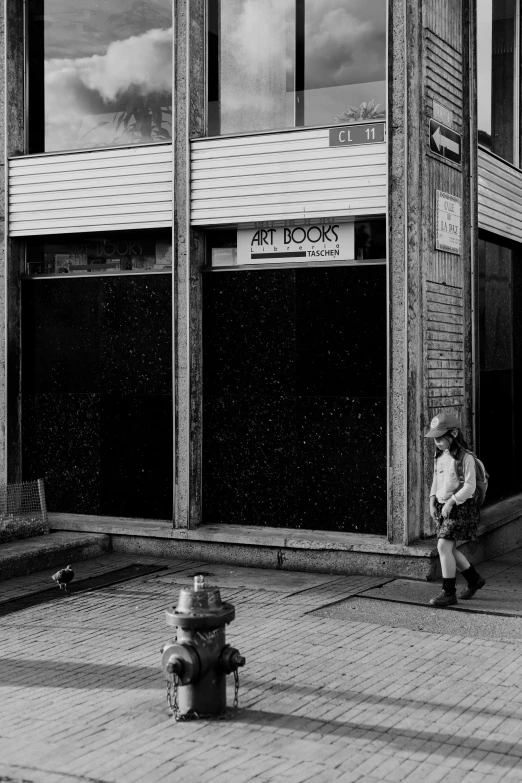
(340, 685)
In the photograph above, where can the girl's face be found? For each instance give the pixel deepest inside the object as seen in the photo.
(444, 442)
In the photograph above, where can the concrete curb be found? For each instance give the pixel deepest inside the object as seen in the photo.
(29, 555)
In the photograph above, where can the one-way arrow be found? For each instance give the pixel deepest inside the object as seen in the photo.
(445, 142)
(442, 141)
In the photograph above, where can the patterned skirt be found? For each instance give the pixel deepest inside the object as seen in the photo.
(461, 525)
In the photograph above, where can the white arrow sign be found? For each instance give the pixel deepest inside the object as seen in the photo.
(442, 141)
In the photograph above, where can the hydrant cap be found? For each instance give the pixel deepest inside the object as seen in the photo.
(200, 608)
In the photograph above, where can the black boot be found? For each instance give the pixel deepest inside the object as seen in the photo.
(448, 597)
(475, 582)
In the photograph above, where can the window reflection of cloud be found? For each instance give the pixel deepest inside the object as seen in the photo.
(345, 39)
(254, 61)
(78, 88)
(345, 42)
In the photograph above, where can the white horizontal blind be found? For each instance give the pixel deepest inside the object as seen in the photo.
(499, 197)
(105, 190)
(283, 176)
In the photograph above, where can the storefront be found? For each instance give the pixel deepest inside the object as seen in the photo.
(240, 310)
(90, 224)
(295, 288)
(294, 388)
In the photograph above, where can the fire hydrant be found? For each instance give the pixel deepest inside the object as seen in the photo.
(196, 663)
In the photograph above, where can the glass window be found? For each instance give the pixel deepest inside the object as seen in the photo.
(498, 76)
(88, 254)
(286, 63)
(500, 343)
(99, 73)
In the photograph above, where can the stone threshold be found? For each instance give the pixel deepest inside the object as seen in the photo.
(499, 514)
(282, 538)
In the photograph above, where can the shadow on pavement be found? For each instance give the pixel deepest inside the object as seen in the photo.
(81, 675)
(352, 730)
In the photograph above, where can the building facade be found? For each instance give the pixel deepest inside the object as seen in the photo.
(251, 248)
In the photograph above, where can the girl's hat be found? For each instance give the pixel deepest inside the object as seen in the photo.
(441, 424)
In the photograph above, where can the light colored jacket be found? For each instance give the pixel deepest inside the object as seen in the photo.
(445, 479)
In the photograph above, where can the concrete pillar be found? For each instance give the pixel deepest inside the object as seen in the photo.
(11, 256)
(188, 121)
(430, 289)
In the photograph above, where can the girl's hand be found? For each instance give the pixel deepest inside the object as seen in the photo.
(446, 508)
(433, 509)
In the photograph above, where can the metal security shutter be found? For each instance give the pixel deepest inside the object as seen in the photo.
(282, 176)
(90, 191)
(499, 197)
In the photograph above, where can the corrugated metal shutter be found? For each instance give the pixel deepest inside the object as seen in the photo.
(91, 191)
(499, 197)
(282, 176)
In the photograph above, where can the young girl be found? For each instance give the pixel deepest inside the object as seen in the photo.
(453, 508)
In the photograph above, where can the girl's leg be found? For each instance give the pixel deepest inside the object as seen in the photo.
(449, 570)
(473, 578)
(447, 558)
(462, 563)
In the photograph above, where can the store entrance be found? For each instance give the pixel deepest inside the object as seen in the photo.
(294, 417)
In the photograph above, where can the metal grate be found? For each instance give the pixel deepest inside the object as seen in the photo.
(23, 512)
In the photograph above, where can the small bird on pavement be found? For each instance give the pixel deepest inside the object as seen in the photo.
(63, 577)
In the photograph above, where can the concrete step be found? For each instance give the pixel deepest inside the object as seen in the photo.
(29, 555)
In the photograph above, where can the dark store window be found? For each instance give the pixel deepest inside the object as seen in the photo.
(294, 402)
(96, 403)
(99, 74)
(103, 253)
(498, 76)
(500, 350)
(289, 63)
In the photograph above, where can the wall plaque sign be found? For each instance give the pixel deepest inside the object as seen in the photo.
(442, 114)
(313, 242)
(447, 233)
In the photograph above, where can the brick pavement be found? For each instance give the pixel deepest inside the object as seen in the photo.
(82, 696)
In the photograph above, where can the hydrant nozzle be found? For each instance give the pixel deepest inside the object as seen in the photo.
(174, 666)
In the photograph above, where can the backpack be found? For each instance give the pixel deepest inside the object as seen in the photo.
(481, 474)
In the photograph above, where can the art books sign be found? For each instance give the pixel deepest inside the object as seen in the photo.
(448, 222)
(302, 243)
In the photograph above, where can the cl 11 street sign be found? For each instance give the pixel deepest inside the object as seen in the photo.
(350, 135)
(445, 142)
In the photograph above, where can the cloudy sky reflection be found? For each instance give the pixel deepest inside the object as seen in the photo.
(108, 71)
(345, 55)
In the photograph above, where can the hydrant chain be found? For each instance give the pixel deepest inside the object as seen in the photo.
(172, 701)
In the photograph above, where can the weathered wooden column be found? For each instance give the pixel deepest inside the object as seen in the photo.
(11, 255)
(188, 121)
(429, 266)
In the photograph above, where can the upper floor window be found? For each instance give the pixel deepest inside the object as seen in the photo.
(288, 63)
(498, 77)
(98, 73)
